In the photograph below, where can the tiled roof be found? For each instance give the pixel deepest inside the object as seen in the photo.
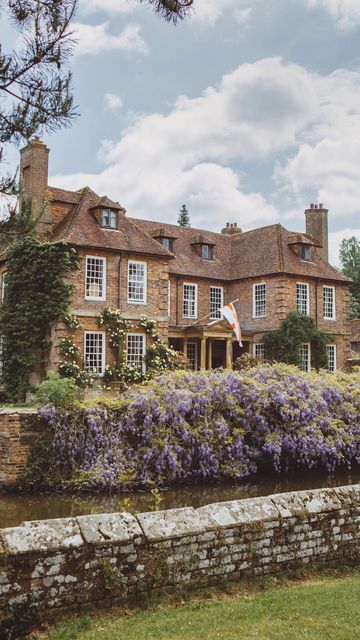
(81, 227)
(187, 261)
(264, 251)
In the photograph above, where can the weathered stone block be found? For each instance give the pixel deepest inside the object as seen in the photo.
(109, 527)
(42, 535)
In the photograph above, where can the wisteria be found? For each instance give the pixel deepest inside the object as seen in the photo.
(187, 427)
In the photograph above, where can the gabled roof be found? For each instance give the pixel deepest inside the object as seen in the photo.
(260, 252)
(81, 227)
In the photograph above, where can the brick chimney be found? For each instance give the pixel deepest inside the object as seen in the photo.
(317, 226)
(231, 228)
(34, 159)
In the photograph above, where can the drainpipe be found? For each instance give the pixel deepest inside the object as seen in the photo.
(177, 301)
(316, 302)
(119, 287)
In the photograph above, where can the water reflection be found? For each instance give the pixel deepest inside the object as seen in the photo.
(14, 509)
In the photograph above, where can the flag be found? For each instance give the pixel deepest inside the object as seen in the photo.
(229, 312)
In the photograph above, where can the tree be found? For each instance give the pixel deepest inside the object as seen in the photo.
(184, 218)
(35, 86)
(350, 266)
(283, 344)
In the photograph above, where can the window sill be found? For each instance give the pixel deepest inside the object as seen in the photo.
(143, 304)
(95, 299)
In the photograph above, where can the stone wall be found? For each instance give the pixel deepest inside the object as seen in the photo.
(19, 428)
(98, 560)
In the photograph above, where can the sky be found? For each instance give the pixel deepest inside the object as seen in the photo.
(247, 112)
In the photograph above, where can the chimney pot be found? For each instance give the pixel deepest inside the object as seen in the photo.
(321, 206)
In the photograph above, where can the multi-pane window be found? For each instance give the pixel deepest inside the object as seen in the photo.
(259, 300)
(94, 351)
(137, 276)
(216, 302)
(331, 357)
(168, 243)
(259, 350)
(109, 219)
(302, 298)
(191, 352)
(304, 357)
(135, 345)
(329, 303)
(190, 300)
(206, 251)
(305, 252)
(95, 278)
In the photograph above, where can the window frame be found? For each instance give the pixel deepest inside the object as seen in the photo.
(255, 285)
(308, 345)
(103, 354)
(305, 247)
(103, 260)
(194, 344)
(328, 347)
(138, 335)
(129, 300)
(170, 242)
(210, 249)
(212, 317)
(111, 212)
(256, 355)
(307, 288)
(333, 289)
(195, 285)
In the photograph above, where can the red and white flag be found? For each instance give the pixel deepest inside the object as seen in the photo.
(229, 312)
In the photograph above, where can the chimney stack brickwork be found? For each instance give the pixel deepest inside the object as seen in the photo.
(317, 226)
(34, 160)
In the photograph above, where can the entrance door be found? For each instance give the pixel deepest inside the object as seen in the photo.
(218, 354)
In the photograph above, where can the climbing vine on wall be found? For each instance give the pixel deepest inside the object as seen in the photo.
(283, 345)
(37, 295)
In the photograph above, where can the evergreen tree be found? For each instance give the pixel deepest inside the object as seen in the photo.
(350, 266)
(184, 218)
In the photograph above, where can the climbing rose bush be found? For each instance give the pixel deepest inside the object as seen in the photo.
(215, 426)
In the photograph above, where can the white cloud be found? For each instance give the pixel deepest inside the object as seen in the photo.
(208, 12)
(260, 111)
(335, 239)
(93, 39)
(346, 13)
(112, 101)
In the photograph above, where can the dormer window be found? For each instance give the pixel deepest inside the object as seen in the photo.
(206, 251)
(305, 252)
(109, 219)
(168, 243)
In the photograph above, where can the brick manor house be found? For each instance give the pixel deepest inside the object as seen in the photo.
(180, 276)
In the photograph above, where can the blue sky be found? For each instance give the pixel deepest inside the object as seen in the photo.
(247, 111)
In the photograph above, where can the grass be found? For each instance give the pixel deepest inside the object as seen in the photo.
(323, 609)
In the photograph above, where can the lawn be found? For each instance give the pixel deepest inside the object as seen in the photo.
(323, 609)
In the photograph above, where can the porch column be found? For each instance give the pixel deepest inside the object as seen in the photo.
(185, 346)
(209, 353)
(229, 353)
(203, 354)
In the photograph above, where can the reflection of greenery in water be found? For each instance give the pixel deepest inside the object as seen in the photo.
(15, 508)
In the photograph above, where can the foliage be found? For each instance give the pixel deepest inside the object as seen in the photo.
(71, 321)
(350, 266)
(73, 371)
(35, 90)
(283, 344)
(20, 620)
(184, 218)
(57, 392)
(37, 295)
(246, 361)
(215, 426)
(68, 348)
(170, 10)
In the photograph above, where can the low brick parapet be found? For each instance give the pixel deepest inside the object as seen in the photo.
(100, 560)
(19, 429)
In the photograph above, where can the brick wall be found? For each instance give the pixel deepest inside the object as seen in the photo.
(18, 429)
(99, 560)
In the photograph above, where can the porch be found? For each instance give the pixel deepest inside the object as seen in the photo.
(207, 346)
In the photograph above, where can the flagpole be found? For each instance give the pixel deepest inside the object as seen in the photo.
(207, 315)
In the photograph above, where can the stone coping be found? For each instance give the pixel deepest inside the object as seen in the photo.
(107, 528)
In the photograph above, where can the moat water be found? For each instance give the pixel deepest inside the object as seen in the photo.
(15, 508)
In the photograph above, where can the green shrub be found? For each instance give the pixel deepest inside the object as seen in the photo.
(58, 392)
